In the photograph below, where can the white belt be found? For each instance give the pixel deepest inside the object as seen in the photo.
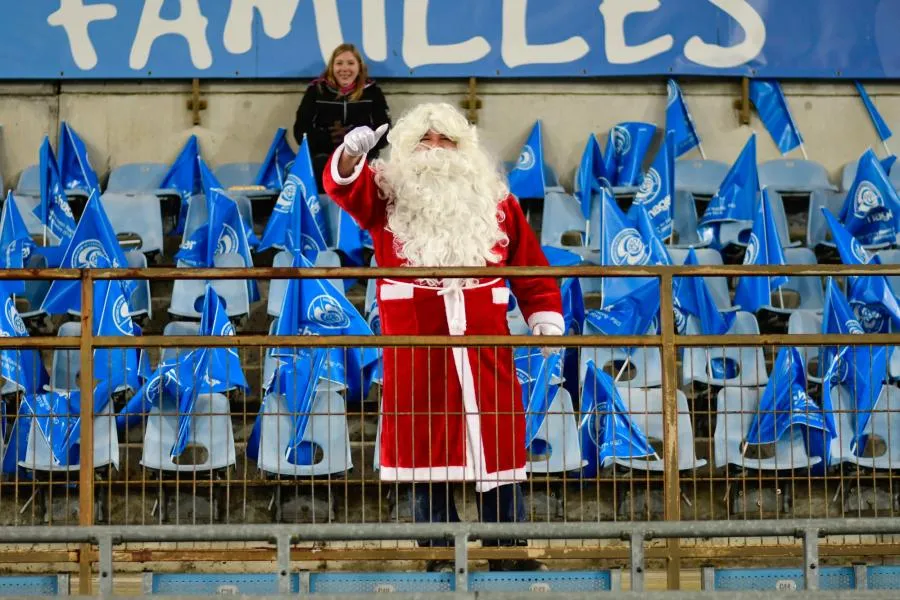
(455, 307)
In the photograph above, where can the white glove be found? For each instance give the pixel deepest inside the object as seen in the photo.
(362, 140)
(547, 329)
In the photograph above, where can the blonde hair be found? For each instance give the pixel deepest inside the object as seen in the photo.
(361, 78)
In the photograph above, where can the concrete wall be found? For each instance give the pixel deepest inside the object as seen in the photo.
(124, 123)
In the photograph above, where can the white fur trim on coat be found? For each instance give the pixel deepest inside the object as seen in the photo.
(546, 317)
(335, 174)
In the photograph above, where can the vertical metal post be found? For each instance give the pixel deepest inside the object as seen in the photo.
(811, 558)
(670, 429)
(461, 562)
(283, 545)
(861, 576)
(105, 565)
(637, 562)
(86, 451)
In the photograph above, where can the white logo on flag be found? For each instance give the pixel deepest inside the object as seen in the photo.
(308, 243)
(14, 319)
(680, 317)
(629, 249)
(286, 197)
(867, 198)
(121, 316)
(227, 328)
(326, 311)
(523, 376)
(752, 250)
(228, 241)
(673, 93)
(869, 317)
(853, 327)
(154, 389)
(89, 254)
(650, 186)
(63, 205)
(526, 159)
(859, 253)
(621, 140)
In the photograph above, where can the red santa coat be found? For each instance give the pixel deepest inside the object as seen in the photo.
(450, 414)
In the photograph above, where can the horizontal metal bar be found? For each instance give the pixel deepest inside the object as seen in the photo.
(39, 274)
(626, 595)
(794, 339)
(409, 531)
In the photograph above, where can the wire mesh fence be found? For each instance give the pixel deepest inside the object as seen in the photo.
(772, 420)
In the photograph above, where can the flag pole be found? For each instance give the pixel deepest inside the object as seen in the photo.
(700, 147)
(886, 149)
(803, 150)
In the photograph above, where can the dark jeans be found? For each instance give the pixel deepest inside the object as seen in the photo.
(433, 503)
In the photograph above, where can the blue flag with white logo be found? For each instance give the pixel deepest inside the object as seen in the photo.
(526, 179)
(606, 430)
(540, 395)
(224, 233)
(621, 244)
(56, 415)
(679, 121)
(22, 367)
(303, 169)
(881, 128)
(736, 197)
(117, 367)
(693, 298)
(75, 168)
(755, 291)
(591, 175)
(633, 314)
(297, 382)
(54, 210)
(659, 255)
(94, 246)
(772, 108)
(292, 226)
(657, 190)
(315, 307)
(210, 184)
(273, 172)
(871, 296)
(625, 150)
(16, 244)
(784, 403)
(184, 176)
(871, 211)
(17, 448)
(573, 304)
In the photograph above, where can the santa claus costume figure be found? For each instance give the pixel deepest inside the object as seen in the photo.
(448, 414)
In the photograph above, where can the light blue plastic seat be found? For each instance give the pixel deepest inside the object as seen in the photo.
(234, 293)
(817, 231)
(278, 287)
(807, 322)
(790, 175)
(809, 289)
(136, 214)
(718, 286)
(562, 215)
(894, 178)
(781, 221)
(726, 366)
(136, 177)
(35, 289)
(685, 222)
(237, 174)
(29, 182)
(140, 303)
(700, 177)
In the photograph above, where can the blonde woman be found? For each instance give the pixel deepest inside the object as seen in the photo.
(342, 98)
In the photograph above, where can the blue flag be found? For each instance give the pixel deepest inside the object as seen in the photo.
(17, 448)
(75, 168)
(526, 180)
(94, 246)
(558, 257)
(297, 382)
(888, 162)
(606, 430)
(633, 314)
(592, 175)
(773, 110)
(117, 367)
(22, 367)
(871, 296)
(274, 168)
(184, 176)
(292, 226)
(657, 190)
(540, 394)
(679, 121)
(303, 169)
(16, 244)
(784, 403)
(871, 211)
(693, 298)
(736, 197)
(753, 292)
(620, 244)
(881, 128)
(54, 210)
(315, 307)
(625, 150)
(159, 385)
(573, 304)
(659, 255)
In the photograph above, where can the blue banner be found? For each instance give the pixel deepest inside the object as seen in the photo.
(116, 39)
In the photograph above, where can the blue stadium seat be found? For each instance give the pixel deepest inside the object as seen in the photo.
(35, 289)
(239, 174)
(29, 182)
(735, 410)
(212, 584)
(562, 215)
(808, 289)
(780, 579)
(794, 176)
(817, 231)
(726, 366)
(781, 221)
(645, 368)
(136, 214)
(848, 174)
(884, 424)
(807, 322)
(278, 287)
(140, 303)
(700, 177)
(26, 205)
(136, 177)
(718, 286)
(685, 222)
(895, 178)
(211, 429)
(234, 293)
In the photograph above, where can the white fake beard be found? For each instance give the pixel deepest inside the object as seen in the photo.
(443, 209)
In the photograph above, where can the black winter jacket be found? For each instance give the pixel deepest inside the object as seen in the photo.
(321, 108)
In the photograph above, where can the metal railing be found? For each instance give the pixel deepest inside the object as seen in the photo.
(668, 342)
